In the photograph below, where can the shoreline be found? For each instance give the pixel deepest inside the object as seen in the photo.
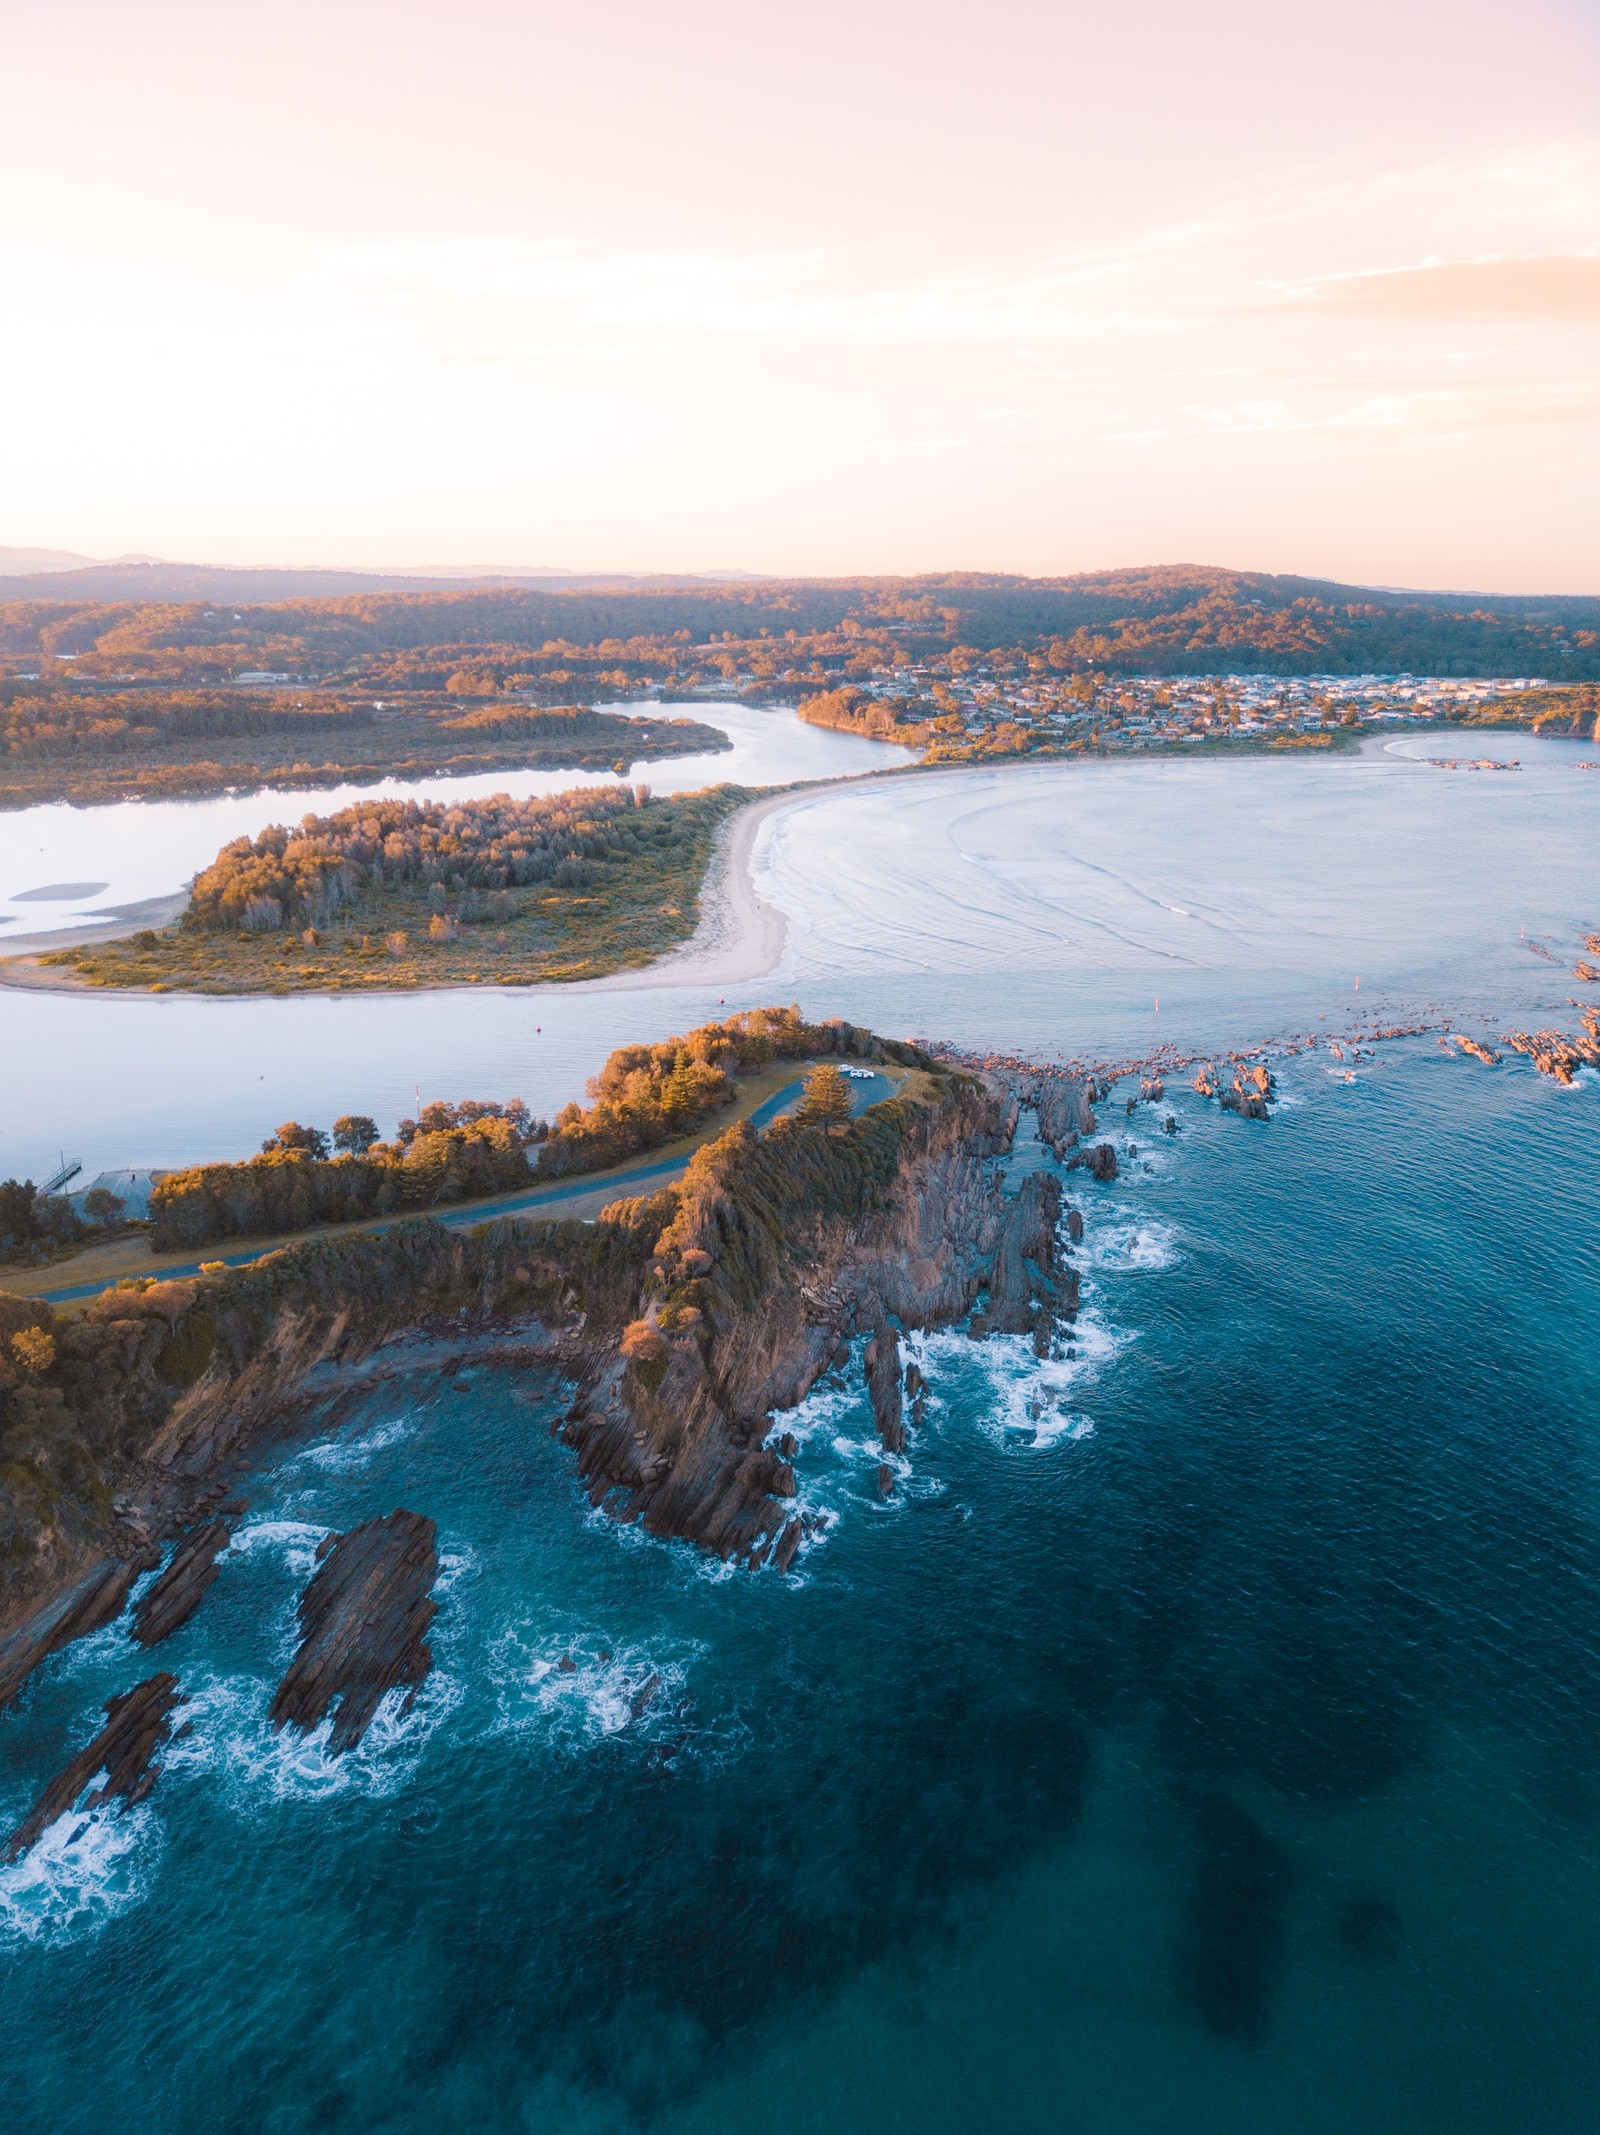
(740, 936)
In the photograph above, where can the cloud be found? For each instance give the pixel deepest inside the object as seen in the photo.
(1565, 287)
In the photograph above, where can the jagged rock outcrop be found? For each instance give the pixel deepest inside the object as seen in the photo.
(1100, 1162)
(364, 1622)
(1477, 1051)
(884, 1386)
(1065, 1105)
(1251, 1091)
(173, 1598)
(1556, 1053)
(138, 1723)
(89, 1604)
(1025, 1289)
(783, 1247)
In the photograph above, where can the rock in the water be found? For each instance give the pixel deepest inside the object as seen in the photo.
(89, 1605)
(788, 1542)
(883, 1383)
(1065, 1107)
(1100, 1162)
(181, 1588)
(1023, 1278)
(363, 1626)
(137, 1724)
(885, 1479)
(1075, 1225)
(1252, 1090)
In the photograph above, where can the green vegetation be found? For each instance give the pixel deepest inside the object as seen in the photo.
(86, 745)
(85, 1400)
(596, 643)
(463, 1153)
(35, 1227)
(1574, 711)
(644, 1096)
(406, 893)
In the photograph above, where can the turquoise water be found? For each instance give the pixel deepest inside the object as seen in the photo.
(1206, 1736)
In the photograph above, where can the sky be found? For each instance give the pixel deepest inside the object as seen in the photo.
(832, 289)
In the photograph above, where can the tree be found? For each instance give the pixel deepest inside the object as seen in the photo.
(354, 1133)
(825, 1099)
(104, 1206)
(291, 1135)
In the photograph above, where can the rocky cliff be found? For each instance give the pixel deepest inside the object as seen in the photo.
(683, 1321)
(782, 1249)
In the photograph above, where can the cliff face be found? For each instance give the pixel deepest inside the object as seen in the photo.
(683, 1319)
(118, 1429)
(782, 1250)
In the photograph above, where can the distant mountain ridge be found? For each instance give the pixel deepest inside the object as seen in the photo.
(59, 575)
(176, 621)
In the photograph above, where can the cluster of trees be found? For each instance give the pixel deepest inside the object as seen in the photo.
(309, 876)
(644, 1095)
(852, 711)
(649, 1094)
(45, 724)
(1573, 711)
(34, 1226)
(450, 1153)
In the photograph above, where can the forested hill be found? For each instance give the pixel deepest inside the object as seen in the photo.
(1173, 620)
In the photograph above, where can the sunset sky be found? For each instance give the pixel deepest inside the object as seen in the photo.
(861, 287)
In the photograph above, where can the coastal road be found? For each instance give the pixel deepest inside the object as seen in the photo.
(599, 1188)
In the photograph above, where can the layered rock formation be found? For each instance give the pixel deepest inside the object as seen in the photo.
(1065, 1105)
(364, 1622)
(175, 1596)
(137, 1725)
(89, 1603)
(1555, 1052)
(782, 1249)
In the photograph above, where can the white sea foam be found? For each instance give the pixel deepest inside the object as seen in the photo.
(82, 1873)
(343, 1456)
(1023, 1402)
(838, 1458)
(1143, 1245)
(297, 1539)
(232, 1741)
(606, 1691)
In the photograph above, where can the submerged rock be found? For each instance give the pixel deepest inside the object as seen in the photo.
(182, 1586)
(138, 1723)
(364, 1621)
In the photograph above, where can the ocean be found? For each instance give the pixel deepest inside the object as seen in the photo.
(1206, 1734)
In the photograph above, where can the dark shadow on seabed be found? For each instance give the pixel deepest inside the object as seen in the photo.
(1335, 1520)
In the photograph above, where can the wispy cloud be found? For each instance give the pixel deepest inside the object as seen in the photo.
(1504, 237)
(1565, 287)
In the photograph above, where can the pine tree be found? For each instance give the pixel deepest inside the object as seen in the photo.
(825, 1099)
